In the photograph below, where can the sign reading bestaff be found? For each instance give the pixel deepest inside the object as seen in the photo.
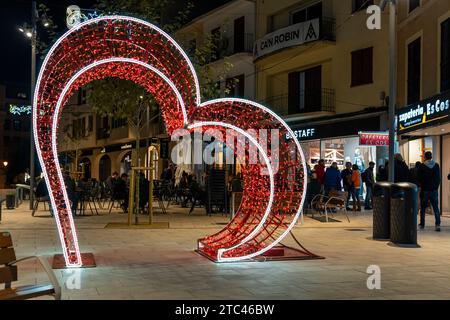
(293, 35)
(431, 111)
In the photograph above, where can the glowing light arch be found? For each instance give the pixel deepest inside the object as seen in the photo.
(132, 49)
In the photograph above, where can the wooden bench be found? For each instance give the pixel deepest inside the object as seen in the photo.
(8, 274)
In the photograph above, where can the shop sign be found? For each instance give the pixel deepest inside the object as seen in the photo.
(293, 35)
(303, 134)
(430, 111)
(374, 138)
(19, 110)
(126, 146)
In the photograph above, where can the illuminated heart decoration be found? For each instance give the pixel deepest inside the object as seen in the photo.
(135, 50)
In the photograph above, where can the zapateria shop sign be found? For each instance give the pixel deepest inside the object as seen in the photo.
(429, 112)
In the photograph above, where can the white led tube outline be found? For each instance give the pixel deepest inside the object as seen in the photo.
(272, 185)
(197, 93)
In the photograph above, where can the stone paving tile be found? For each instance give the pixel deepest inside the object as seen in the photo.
(161, 264)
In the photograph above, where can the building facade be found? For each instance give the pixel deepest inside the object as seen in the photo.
(424, 84)
(15, 116)
(231, 29)
(92, 146)
(320, 67)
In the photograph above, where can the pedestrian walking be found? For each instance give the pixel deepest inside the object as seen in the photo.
(430, 180)
(346, 176)
(356, 187)
(369, 180)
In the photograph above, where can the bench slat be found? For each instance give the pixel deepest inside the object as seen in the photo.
(26, 292)
(7, 255)
(5, 240)
(8, 274)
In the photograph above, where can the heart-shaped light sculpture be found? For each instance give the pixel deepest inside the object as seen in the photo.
(135, 50)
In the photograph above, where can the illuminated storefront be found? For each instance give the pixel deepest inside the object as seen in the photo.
(423, 127)
(338, 139)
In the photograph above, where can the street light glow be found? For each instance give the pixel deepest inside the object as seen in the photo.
(28, 34)
(21, 30)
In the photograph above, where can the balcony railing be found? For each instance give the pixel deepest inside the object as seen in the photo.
(328, 29)
(103, 133)
(321, 100)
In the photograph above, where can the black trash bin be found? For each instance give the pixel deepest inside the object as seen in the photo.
(382, 210)
(404, 208)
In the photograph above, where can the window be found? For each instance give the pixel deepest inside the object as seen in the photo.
(305, 91)
(359, 5)
(7, 124)
(309, 13)
(445, 55)
(270, 24)
(236, 86)
(413, 4)
(414, 74)
(216, 41)
(239, 35)
(79, 128)
(118, 123)
(17, 125)
(90, 123)
(362, 67)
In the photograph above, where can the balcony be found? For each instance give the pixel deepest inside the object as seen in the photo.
(103, 133)
(228, 46)
(328, 29)
(321, 100)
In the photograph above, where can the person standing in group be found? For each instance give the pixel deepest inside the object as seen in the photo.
(414, 174)
(369, 180)
(346, 176)
(356, 187)
(401, 170)
(382, 174)
(430, 180)
(319, 169)
(111, 180)
(332, 180)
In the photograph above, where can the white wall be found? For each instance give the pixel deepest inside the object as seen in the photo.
(445, 167)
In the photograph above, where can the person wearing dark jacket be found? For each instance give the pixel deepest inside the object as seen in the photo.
(382, 174)
(401, 170)
(430, 180)
(346, 176)
(332, 180)
(414, 174)
(369, 181)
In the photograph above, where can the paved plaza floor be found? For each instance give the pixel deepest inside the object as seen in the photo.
(162, 264)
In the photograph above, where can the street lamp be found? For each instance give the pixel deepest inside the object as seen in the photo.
(392, 80)
(5, 163)
(30, 33)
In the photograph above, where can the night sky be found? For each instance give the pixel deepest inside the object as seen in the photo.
(15, 48)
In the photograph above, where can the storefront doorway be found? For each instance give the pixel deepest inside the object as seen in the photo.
(125, 163)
